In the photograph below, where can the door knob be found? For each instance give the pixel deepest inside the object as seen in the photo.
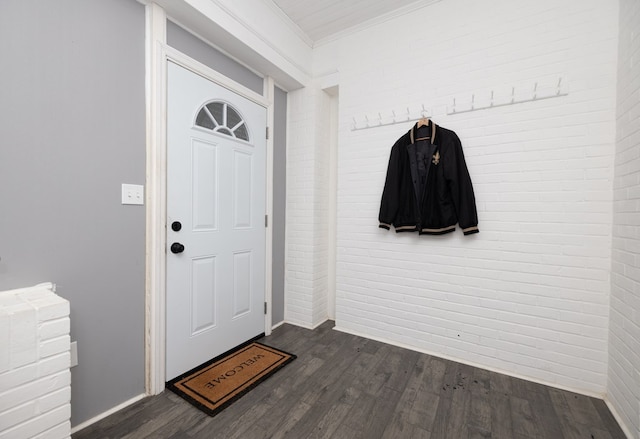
(176, 226)
(176, 247)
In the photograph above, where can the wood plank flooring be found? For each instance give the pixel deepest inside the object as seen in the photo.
(343, 386)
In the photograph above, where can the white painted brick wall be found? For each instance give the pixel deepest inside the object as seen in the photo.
(306, 256)
(624, 339)
(35, 382)
(529, 295)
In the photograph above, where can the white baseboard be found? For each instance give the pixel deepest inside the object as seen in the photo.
(103, 415)
(321, 323)
(470, 363)
(618, 418)
(304, 325)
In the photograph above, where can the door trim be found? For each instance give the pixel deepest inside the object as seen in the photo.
(158, 55)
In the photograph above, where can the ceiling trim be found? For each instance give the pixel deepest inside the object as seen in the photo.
(225, 30)
(375, 21)
(289, 22)
(262, 37)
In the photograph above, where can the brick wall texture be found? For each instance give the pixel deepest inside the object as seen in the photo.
(623, 387)
(35, 381)
(529, 294)
(307, 210)
(549, 290)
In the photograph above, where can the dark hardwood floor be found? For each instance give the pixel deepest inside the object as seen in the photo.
(343, 386)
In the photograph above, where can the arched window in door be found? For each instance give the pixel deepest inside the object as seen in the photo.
(222, 118)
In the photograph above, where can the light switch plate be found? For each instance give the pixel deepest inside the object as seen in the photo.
(132, 194)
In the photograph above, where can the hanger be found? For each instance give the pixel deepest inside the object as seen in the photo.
(421, 123)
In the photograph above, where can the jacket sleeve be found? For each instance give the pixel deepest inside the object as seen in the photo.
(390, 194)
(460, 187)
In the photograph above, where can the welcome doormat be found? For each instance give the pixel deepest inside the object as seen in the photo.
(216, 384)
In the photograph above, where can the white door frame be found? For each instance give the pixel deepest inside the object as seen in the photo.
(158, 55)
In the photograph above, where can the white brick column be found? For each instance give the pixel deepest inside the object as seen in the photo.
(307, 207)
(35, 381)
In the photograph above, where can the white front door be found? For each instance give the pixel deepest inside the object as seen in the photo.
(216, 159)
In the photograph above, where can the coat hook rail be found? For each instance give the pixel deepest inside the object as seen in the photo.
(389, 118)
(535, 92)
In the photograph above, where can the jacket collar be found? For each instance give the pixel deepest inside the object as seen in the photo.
(432, 137)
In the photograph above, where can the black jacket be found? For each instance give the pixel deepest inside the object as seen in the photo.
(428, 188)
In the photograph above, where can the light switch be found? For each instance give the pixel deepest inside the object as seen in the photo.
(132, 194)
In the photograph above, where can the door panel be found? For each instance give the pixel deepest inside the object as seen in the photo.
(203, 294)
(241, 284)
(216, 160)
(205, 194)
(242, 184)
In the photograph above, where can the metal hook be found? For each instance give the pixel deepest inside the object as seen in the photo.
(473, 98)
(355, 124)
(535, 91)
(513, 92)
(394, 115)
(424, 111)
(491, 105)
(408, 114)
(559, 81)
(379, 118)
(454, 105)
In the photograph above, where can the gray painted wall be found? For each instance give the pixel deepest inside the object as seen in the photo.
(180, 39)
(279, 202)
(197, 49)
(72, 130)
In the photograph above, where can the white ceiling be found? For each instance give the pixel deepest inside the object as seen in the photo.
(320, 19)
